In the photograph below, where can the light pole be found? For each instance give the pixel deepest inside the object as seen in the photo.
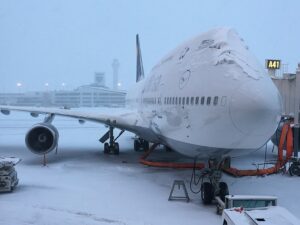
(63, 85)
(19, 85)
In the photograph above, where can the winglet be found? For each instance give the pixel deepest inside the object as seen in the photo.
(139, 61)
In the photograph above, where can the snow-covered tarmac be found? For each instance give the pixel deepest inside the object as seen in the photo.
(81, 185)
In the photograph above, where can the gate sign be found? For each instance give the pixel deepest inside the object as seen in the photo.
(273, 64)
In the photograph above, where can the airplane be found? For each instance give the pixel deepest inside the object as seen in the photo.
(209, 98)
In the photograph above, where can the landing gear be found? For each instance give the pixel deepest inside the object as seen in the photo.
(168, 149)
(223, 190)
(141, 145)
(207, 192)
(211, 185)
(111, 147)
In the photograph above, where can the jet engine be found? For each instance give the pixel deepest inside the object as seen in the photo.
(42, 138)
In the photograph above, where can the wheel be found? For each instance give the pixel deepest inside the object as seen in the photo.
(145, 145)
(116, 148)
(137, 145)
(294, 169)
(207, 193)
(223, 190)
(106, 148)
(168, 149)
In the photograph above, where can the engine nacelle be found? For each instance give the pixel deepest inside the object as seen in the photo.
(42, 138)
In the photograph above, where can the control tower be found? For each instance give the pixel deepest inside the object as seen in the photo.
(115, 65)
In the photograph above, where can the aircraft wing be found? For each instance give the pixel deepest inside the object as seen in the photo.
(124, 121)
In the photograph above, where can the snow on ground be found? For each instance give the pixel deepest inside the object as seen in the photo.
(81, 185)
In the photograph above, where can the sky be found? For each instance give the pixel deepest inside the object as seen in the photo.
(56, 42)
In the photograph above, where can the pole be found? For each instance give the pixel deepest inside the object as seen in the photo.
(296, 139)
(44, 160)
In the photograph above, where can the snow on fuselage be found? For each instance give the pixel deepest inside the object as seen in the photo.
(209, 96)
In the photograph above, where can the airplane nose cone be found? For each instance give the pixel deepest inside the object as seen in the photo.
(255, 108)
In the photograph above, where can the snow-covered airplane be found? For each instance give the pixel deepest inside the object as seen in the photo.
(209, 97)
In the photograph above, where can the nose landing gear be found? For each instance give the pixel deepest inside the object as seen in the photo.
(211, 186)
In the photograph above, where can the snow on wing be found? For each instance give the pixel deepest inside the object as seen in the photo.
(124, 121)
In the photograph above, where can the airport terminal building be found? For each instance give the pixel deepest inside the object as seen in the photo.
(96, 94)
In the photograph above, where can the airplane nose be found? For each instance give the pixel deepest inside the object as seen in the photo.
(255, 109)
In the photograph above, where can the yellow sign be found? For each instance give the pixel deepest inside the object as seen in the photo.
(273, 64)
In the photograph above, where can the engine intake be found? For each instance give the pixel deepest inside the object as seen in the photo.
(42, 138)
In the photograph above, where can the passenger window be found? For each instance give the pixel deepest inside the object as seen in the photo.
(187, 100)
(223, 101)
(216, 99)
(197, 101)
(202, 100)
(176, 101)
(208, 100)
(173, 100)
(192, 100)
(179, 101)
(183, 100)
(164, 100)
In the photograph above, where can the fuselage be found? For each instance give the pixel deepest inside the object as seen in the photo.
(208, 97)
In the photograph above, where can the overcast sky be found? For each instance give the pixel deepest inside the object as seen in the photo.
(56, 41)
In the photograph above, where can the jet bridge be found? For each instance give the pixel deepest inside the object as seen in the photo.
(288, 85)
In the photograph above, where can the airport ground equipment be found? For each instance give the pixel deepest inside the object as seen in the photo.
(179, 183)
(294, 169)
(244, 201)
(254, 210)
(8, 175)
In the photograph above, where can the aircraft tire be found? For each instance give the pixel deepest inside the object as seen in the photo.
(145, 145)
(116, 148)
(223, 190)
(206, 193)
(137, 145)
(106, 148)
